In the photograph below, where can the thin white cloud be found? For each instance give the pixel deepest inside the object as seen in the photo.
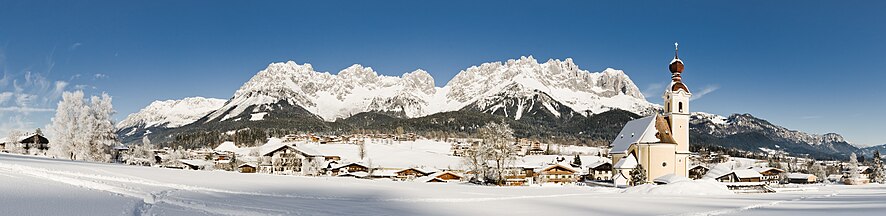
(811, 117)
(25, 109)
(100, 76)
(83, 87)
(704, 91)
(654, 89)
(74, 46)
(5, 96)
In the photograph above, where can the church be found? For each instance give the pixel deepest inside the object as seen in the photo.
(658, 144)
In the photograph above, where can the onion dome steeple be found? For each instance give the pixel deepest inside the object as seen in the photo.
(676, 68)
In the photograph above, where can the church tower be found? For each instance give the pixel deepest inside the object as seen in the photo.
(676, 111)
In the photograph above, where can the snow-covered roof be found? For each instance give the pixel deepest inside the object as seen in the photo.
(670, 178)
(719, 170)
(195, 162)
(747, 173)
(360, 174)
(640, 130)
(384, 173)
(248, 165)
(597, 164)
(561, 165)
(699, 165)
(427, 179)
(629, 162)
(799, 176)
(438, 174)
(764, 169)
(348, 164)
(227, 146)
(25, 137)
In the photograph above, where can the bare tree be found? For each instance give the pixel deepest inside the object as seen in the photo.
(498, 142)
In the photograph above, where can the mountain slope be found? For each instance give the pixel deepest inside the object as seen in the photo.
(744, 131)
(161, 115)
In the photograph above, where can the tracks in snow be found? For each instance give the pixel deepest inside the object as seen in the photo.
(148, 199)
(755, 206)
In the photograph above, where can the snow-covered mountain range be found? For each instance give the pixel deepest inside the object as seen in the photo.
(553, 93)
(358, 89)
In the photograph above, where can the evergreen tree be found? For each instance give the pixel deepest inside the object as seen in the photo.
(877, 175)
(577, 160)
(638, 175)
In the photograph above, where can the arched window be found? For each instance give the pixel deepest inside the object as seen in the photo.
(680, 106)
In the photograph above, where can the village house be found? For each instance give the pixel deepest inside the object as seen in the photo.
(195, 164)
(288, 159)
(412, 173)
(742, 175)
(558, 173)
(520, 176)
(247, 168)
(349, 168)
(600, 171)
(28, 141)
(698, 171)
(770, 175)
(801, 178)
(440, 177)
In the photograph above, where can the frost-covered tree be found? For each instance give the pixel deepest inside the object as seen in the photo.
(475, 159)
(638, 175)
(65, 128)
(102, 131)
(12, 145)
(83, 131)
(142, 155)
(854, 176)
(498, 139)
(361, 150)
(817, 170)
(311, 166)
(877, 175)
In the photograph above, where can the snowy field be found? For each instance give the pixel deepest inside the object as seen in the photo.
(38, 186)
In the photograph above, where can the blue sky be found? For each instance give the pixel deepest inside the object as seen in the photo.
(816, 66)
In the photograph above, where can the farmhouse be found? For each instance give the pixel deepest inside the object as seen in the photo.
(698, 171)
(247, 168)
(600, 171)
(801, 178)
(412, 173)
(770, 175)
(743, 175)
(558, 173)
(28, 141)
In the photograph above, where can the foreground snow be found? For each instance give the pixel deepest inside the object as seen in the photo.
(38, 186)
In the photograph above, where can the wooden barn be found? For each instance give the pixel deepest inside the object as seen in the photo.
(247, 168)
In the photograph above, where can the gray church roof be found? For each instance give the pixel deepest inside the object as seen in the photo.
(640, 130)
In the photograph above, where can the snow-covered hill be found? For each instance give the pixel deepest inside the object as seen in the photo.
(168, 114)
(358, 89)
